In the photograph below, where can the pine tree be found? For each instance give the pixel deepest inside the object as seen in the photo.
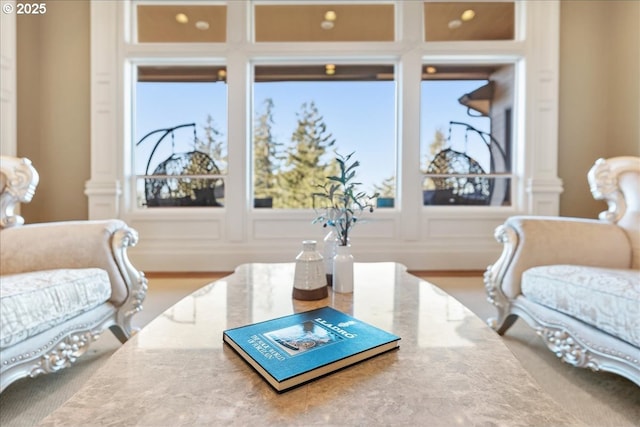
(265, 154)
(213, 144)
(306, 165)
(437, 145)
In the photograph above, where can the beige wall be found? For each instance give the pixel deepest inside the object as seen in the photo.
(54, 108)
(599, 111)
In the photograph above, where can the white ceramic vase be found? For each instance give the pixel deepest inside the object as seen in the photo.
(343, 270)
(330, 243)
(309, 280)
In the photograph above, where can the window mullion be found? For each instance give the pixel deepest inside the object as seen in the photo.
(238, 135)
(409, 140)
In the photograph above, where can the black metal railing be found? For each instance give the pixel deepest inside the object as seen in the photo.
(189, 178)
(458, 179)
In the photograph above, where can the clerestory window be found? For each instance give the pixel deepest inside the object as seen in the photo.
(305, 107)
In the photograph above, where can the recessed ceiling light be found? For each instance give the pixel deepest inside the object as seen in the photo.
(202, 25)
(182, 18)
(453, 24)
(329, 18)
(330, 15)
(431, 69)
(330, 69)
(468, 15)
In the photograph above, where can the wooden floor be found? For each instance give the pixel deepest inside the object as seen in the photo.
(214, 275)
(186, 274)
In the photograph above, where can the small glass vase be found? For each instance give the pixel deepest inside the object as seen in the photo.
(343, 270)
(309, 281)
(330, 243)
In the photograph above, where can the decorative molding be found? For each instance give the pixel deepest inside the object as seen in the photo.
(544, 185)
(543, 196)
(111, 188)
(104, 188)
(104, 198)
(8, 81)
(187, 255)
(540, 151)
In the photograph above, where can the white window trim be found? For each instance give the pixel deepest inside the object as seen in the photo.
(8, 82)
(210, 239)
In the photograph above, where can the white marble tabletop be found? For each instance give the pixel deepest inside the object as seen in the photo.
(451, 369)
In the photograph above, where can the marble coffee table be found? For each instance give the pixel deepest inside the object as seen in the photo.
(451, 369)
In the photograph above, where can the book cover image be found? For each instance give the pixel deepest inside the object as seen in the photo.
(294, 349)
(297, 339)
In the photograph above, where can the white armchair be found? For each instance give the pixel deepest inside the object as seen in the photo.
(577, 281)
(62, 283)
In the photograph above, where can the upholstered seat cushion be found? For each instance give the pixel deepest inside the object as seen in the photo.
(608, 299)
(36, 301)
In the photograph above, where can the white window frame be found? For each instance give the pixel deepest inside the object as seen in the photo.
(446, 237)
(517, 131)
(130, 78)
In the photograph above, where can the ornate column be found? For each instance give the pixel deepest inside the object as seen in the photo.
(104, 188)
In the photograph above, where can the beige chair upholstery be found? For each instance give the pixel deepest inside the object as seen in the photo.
(62, 283)
(577, 281)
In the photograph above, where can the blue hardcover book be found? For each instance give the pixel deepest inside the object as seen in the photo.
(295, 349)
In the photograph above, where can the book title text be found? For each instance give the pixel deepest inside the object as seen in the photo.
(335, 328)
(265, 349)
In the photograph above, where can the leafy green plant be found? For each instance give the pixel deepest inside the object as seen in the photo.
(340, 202)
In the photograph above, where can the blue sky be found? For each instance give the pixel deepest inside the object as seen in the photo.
(360, 115)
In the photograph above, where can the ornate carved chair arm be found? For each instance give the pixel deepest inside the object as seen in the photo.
(134, 279)
(615, 180)
(18, 182)
(533, 241)
(74, 244)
